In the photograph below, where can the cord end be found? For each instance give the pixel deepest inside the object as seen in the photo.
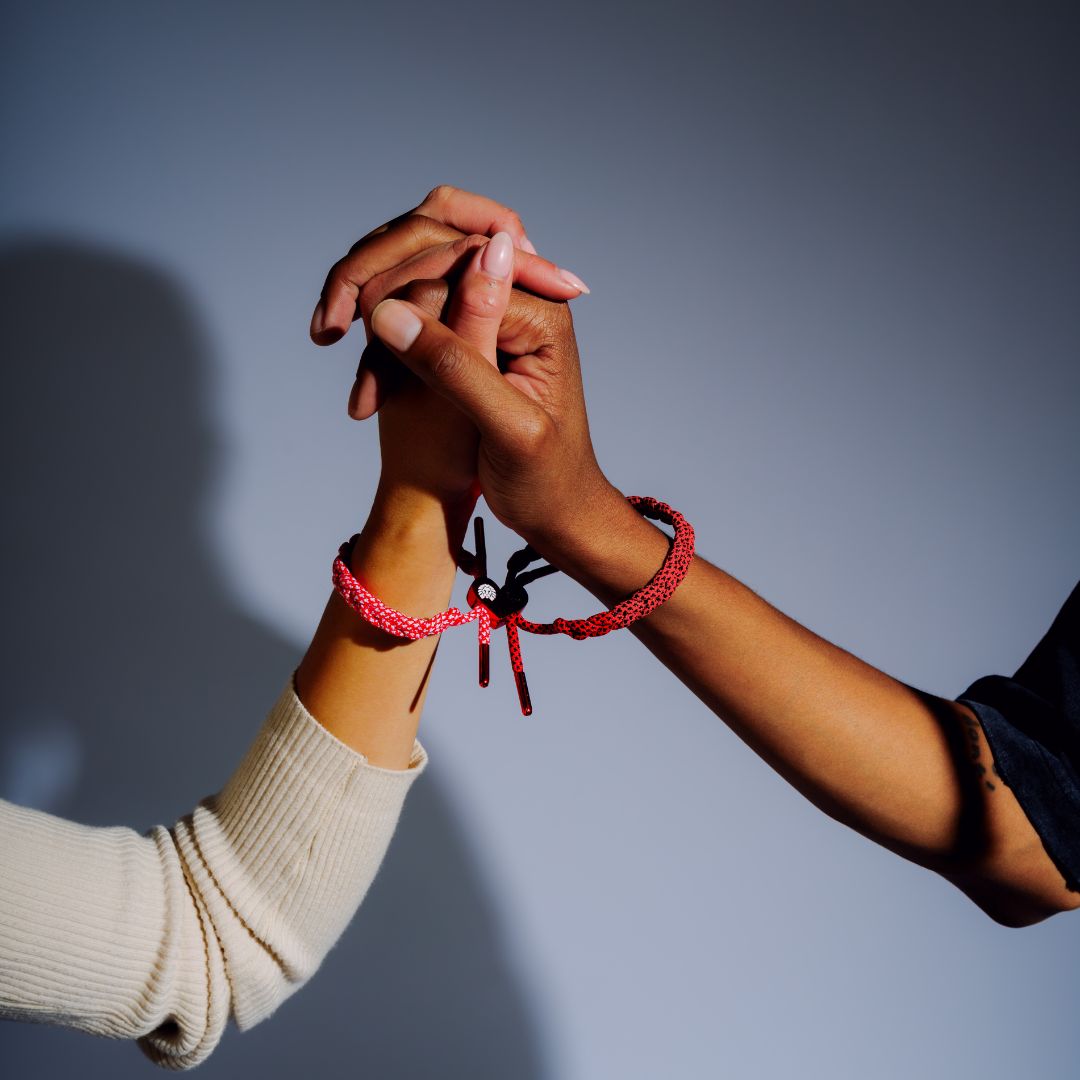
(523, 693)
(485, 664)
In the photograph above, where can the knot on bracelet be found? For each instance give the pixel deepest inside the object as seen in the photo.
(493, 606)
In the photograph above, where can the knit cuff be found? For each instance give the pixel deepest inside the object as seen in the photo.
(296, 836)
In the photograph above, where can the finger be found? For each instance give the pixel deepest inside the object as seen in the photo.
(379, 372)
(368, 391)
(479, 299)
(379, 251)
(530, 272)
(379, 376)
(477, 304)
(395, 244)
(370, 388)
(440, 261)
(529, 324)
(455, 369)
(473, 213)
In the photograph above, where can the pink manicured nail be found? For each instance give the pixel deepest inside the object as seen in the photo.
(498, 257)
(527, 246)
(396, 325)
(573, 281)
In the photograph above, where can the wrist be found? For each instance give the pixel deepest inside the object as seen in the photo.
(407, 551)
(608, 547)
(414, 516)
(364, 685)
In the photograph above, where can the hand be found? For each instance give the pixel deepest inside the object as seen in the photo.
(422, 243)
(426, 445)
(536, 464)
(366, 688)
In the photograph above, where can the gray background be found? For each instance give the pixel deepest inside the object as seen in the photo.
(833, 251)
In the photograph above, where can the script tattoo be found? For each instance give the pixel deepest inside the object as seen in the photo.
(974, 750)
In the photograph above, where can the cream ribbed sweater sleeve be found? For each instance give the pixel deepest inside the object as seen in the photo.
(163, 936)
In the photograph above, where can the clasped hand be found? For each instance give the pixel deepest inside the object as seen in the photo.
(472, 365)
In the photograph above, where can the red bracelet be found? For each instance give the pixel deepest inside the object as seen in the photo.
(494, 605)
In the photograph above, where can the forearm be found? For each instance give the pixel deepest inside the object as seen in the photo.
(854, 740)
(161, 937)
(908, 770)
(363, 685)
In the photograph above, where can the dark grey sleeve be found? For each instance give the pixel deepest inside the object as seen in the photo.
(1032, 723)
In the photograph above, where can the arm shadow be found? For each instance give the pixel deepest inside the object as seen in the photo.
(134, 682)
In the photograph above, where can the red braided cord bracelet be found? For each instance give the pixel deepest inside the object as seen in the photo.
(397, 623)
(646, 599)
(493, 607)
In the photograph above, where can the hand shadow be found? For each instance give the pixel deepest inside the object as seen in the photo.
(133, 684)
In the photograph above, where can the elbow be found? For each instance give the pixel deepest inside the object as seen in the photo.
(1026, 909)
(1015, 916)
(1018, 914)
(1014, 900)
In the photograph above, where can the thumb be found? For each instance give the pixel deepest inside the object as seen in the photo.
(452, 367)
(478, 300)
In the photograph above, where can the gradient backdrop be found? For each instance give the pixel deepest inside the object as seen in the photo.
(834, 252)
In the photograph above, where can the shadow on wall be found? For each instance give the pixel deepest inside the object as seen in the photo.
(133, 684)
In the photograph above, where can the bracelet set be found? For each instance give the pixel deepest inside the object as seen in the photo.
(492, 606)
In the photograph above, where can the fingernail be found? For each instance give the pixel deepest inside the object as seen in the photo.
(527, 245)
(396, 325)
(573, 281)
(498, 257)
(322, 334)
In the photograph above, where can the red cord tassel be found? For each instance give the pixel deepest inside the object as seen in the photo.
(517, 664)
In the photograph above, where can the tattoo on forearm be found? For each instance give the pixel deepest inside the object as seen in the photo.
(974, 751)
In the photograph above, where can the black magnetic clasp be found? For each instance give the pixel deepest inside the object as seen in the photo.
(509, 600)
(500, 600)
(483, 591)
